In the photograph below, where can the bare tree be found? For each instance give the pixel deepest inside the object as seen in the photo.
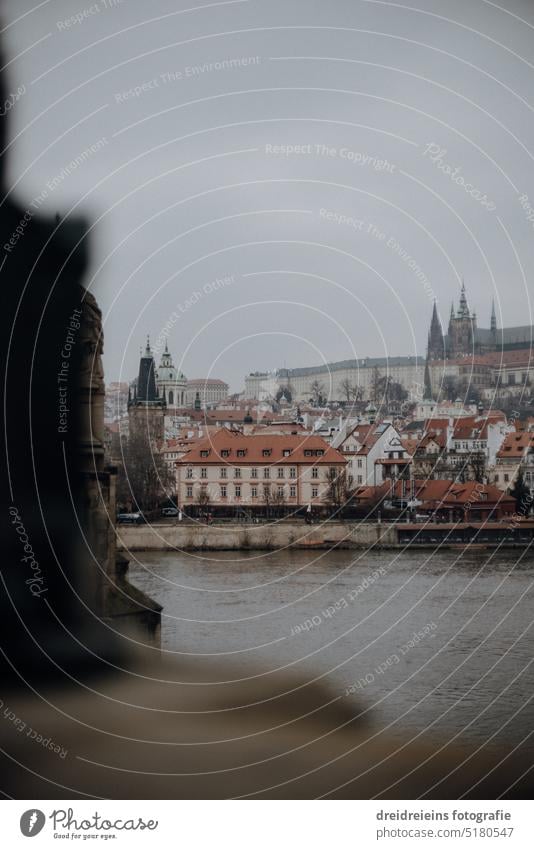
(350, 391)
(337, 493)
(347, 389)
(267, 498)
(468, 390)
(278, 500)
(203, 497)
(477, 465)
(357, 392)
(375, 385)
(448, 389)
(144, 479)
(317, 390)
(391, 393)
(284, 391)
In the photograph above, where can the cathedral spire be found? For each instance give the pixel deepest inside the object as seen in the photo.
(493, 325)
(435, 336)
(463, 307)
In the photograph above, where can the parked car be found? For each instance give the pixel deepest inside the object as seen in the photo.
(130, 518)
(169, 511)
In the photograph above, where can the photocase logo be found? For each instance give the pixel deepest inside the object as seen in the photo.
(31, 822)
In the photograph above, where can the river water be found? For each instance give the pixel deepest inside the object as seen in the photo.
(436, 641)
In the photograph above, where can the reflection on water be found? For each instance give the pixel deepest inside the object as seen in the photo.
(426, 640)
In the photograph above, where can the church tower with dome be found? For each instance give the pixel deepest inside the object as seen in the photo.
(171, 383)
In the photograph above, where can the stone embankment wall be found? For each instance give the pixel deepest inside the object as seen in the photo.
(246, 537)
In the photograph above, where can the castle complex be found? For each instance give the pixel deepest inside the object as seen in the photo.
(491, 363)
(464, 338)
(497, 361)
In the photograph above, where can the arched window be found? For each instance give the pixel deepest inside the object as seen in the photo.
(171, 397)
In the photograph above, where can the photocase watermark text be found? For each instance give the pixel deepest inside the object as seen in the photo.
(36, 581)
(436, 154)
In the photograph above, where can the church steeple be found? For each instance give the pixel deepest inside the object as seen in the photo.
(493, 324)
(435, 337)
(451, 319)
(463, 308)
(146, 380)
(166, 358)
(146, 410)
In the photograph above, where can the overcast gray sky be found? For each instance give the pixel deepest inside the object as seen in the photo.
(332, 251)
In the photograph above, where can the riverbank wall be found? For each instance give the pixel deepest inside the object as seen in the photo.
(272, 536)
(192, 536)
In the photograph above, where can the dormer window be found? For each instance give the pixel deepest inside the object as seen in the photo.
(319, 452)
(205, 452)
(225, 452)
(286, 452)
(241, 452)
(266, 452)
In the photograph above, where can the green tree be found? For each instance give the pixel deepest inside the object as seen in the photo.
(521, 492)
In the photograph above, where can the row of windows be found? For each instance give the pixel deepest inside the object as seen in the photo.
(506, 477)
(254, 472)
(514, 378)
(266, 452)
(254, 491)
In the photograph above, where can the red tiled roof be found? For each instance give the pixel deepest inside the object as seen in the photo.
(226, 440)
(365, 436)
(517, 444)
(443, 493)
(493, 358)
(410, 445)
(439, 438)
(476, 427)
(437, 425)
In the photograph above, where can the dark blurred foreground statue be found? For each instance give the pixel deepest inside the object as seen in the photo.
(84, 711)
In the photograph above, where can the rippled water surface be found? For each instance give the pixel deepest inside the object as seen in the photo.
(350, 617)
